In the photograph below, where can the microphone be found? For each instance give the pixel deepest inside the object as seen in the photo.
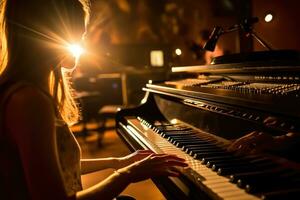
(210, 45)
(247, 24)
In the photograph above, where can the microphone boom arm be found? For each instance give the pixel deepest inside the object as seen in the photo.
(246, 26)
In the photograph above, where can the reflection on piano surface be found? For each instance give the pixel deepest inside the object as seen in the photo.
(197, 117)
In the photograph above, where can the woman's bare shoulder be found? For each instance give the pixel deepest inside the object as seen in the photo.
(29, 97)
(29, 110)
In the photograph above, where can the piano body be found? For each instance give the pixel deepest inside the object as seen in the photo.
(196, 117)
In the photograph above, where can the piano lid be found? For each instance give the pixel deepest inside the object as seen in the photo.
(253, 62)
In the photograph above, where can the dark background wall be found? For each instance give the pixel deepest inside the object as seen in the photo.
(284, 31)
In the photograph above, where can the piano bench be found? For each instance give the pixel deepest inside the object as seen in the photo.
(104, 114)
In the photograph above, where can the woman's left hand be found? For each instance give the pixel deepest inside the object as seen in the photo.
(133, 157)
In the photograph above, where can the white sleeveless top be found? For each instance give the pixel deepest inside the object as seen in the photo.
(69, 156)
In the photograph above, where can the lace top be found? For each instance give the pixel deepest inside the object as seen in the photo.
(69, 156)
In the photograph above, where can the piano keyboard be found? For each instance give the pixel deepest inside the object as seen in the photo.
(222, 174)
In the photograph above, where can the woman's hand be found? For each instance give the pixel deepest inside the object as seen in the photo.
(133, 157)
(153, 165)
(255, 142)
(258, 141)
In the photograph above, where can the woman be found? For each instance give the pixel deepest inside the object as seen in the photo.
(40, 158)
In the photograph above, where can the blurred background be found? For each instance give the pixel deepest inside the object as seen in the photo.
(130, 42)
(133, 41)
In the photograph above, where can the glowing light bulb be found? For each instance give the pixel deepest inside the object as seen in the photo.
(174, 121)
(178, 52)
(76, 50)
(268, 17)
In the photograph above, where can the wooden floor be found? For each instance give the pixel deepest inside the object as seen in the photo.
(112, 146)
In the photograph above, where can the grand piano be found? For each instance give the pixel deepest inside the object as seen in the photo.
(197, 114)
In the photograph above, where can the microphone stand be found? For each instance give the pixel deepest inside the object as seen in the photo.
(246, 26)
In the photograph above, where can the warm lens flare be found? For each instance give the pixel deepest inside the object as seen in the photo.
(76, 50)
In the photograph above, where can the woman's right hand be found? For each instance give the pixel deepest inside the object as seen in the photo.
(254, 142)
(153, 165)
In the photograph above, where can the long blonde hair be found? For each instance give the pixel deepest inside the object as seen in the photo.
(24, 25)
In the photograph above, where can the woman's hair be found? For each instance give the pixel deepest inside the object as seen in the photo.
(32, 33)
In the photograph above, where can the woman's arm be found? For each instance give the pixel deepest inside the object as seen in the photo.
(30, 123)
(29, 118)
(107, 189)
(152, 166)
(96, 164)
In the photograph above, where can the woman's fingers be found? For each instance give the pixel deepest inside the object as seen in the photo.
(270, 121)
(169, 160)
(237, 144)
(252, 143)
(144, 151)
(172, 172)
(175, 163)
(167, 171)
(246, 148)
(166, 156)
(166, 160)
(156, 165)
(249, 143)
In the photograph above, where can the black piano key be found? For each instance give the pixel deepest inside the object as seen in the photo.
(204, 154)
(189, 136)
(199, 148)
(273, 184)
(182, 131)
(214, 164)
(202, 147)
(275, 181)
(263, 178)
(281, 194)
(253, 164)
(247, 172)
(183, 138)
(187, 145)
(229, 164)
(195, 144)
(234, 159)
(203, 150)
(201, 155)
(176, 133)
(179, 135)
(205, 136)
(173, 131)
(186, 141)
(214, 158)
(239, 163)
(171, 128)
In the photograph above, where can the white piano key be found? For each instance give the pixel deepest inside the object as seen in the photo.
(219, 185)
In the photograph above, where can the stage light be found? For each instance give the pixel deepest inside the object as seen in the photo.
(174, 121)
(178, 52)
(268, 17)
(76, 50)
